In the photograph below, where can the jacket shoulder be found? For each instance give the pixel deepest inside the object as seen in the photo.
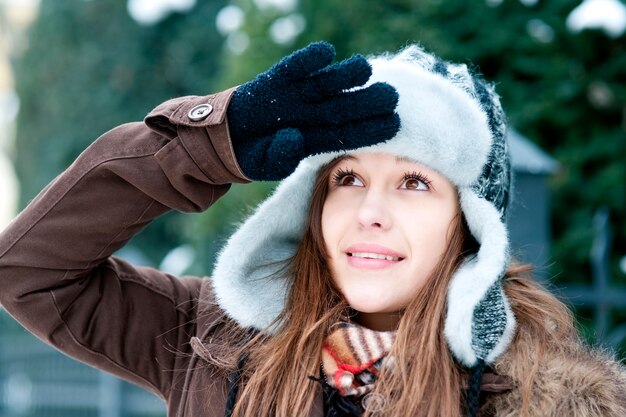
(577, 382)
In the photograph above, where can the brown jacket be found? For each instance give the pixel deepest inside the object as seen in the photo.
(58, 278)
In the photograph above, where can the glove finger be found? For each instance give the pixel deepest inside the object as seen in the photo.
(376, 100)
(303, 62)
(271, 157)
(332, 80)
(351, 136)
(284, 153)
(252, 155)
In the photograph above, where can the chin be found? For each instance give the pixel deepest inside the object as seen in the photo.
(371, 306)
(369, 309)
(372, 299)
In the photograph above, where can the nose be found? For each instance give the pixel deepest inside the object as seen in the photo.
(373, 211)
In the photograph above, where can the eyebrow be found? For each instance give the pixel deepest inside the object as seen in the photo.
(400, 159)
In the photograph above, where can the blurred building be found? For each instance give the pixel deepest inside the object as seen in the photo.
(529, 212)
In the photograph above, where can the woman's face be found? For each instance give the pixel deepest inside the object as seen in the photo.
(385, 223)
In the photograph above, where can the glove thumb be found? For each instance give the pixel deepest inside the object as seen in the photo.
(284, 153)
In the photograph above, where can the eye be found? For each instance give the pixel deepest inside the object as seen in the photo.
(416, 181)
(346, 178)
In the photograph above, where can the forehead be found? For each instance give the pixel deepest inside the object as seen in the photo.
(375, 158)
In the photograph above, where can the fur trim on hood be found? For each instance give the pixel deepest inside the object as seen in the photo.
(578, 383)
(451, 121)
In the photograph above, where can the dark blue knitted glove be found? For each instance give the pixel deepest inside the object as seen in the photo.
(301, 107)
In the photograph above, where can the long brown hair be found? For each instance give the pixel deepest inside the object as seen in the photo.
(424, 380)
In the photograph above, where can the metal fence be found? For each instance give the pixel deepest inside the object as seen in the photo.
(603, 296)
(38, 381)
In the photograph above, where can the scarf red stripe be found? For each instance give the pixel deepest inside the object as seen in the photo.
(352, 356)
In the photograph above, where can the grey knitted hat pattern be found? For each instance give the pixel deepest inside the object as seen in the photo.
(495, 181)
(451, 121)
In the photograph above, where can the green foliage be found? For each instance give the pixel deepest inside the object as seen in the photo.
(90, 67)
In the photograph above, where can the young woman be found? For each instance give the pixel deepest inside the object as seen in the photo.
(374, 281)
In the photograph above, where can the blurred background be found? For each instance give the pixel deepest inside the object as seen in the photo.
(72, 69)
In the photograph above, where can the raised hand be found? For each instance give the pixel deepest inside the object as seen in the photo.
(305, 105)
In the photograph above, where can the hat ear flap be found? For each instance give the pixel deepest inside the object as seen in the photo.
(492, 324)
(476, 329)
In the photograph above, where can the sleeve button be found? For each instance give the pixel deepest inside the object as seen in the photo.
(200, 112)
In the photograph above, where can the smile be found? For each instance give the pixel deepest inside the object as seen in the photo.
(371, 255)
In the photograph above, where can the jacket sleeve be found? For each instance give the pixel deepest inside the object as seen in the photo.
(57, 275)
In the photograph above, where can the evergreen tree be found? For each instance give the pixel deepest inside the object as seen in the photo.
(90, 67)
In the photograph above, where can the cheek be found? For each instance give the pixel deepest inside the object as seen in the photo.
(429, 232)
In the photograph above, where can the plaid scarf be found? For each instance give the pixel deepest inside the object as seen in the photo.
(352, 357)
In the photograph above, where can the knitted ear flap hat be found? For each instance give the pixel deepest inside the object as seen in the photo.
(451, 121)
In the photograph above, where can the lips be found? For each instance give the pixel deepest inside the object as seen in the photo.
(372, 256)
(373, 249)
